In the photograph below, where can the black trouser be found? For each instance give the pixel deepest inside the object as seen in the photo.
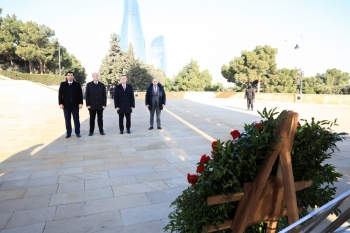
(121, 121)
(99, 120)
(250, 103)
(111, 95)
(68, 112)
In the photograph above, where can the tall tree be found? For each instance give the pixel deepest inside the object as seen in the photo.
(257, 65)
(286, 81)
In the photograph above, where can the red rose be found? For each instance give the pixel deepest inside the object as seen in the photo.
(192, 179)
(204, 159)
(299, 123)
(200, 168)
(235, 134)
(213, 144)
(259, 126)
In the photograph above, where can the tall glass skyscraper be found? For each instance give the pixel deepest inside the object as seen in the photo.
(132, 30)
(157, 55)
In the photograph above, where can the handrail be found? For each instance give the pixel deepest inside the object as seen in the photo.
(335, 201)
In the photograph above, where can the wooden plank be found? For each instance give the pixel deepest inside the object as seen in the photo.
(300, 185)
(222, 198)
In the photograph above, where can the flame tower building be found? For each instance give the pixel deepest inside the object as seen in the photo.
(132, 30)
(157, 55)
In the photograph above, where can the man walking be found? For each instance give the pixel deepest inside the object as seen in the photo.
(250, 96)
(111, 92)
(155, 101)
(124, 102)
(70, 99)
(96, 99)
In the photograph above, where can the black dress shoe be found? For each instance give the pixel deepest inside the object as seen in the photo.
(78, 135)
(159, 128)
(102, 133)
(128, 131)
(150, 128)
(121, 132)
(67, 136)
(90, 134)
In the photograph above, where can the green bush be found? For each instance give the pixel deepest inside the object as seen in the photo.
(237, 161)
(47, 79)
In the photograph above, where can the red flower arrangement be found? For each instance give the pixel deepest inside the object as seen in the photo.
(213, 144)
(204, 159)
(235, 134)
(200, 168)
(259, 126)
(192, 179)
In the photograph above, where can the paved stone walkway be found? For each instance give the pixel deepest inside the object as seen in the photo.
(114, 183)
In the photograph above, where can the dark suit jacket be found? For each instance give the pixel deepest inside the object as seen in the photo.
(64, 96)
(124, 100)
(249, 93)
(96, 95)
(162, 96)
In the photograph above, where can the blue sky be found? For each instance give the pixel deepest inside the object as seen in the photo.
(211, 32)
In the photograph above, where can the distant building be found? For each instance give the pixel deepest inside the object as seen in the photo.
(157, 55)
(132, 30)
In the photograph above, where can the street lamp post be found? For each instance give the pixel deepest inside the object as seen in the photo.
(297, 47)
(59, 59)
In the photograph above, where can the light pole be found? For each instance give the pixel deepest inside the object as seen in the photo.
(297, 47)
(59, 59)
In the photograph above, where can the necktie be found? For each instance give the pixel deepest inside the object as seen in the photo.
(124, 87)
(155, 90)
(96, 83)
(70, 84)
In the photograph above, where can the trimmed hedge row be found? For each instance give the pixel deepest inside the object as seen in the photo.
(47, 79)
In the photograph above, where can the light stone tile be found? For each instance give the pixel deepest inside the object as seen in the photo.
(174, 166)
(182, 158)
(28, 183)
(115, 181)
(85, 224)
(151, 227)
(153, 156)
(158, 176)
(105, 167)
(4, 218)
(14, 176)
(82, 163)
(130, 171)
(34, 228)
(82, 176)
(124, 159)
(112, 204)
(145, 213)
(145, 163)
(166, 195)
(41, 190)
(70, 210)
(70, 187)
(44, 173)
(11, 194)
(47, 166)
(24, 203)
(33, 216)
(20, 163)
(176, 182)
(71, 170)
(63, 160)
(139, 188)
(79, 196)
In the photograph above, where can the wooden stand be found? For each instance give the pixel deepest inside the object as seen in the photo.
(267, 198)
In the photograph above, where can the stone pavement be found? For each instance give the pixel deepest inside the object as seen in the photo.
(114, 183)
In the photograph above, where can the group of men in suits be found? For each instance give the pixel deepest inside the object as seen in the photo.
(70, 99)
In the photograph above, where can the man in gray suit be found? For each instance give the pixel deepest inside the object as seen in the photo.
(155, 101)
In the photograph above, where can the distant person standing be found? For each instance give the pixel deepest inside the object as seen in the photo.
(155, 101)
(96, 100)
(124, 102)
(111, 92)
(70, 99)
(250, 96)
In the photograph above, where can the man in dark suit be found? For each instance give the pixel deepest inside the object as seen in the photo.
(111, 92)
(250, 96)
(155, 101)
(70, 99)
(96, 100)
(124, 102)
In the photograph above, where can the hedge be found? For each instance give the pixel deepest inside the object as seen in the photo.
(47, 79)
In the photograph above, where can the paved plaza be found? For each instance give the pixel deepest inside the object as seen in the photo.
(116, 183)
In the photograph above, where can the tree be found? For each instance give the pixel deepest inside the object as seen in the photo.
(190, 78)
(286, 81)
(259, 64)
(112, 64)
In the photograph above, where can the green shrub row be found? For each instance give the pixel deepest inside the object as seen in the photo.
(47, 79)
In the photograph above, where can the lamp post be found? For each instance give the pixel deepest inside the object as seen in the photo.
(297, 47)
(59, 59)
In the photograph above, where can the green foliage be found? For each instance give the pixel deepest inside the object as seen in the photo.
(237, 162)
(47, 79)
(259, 64)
